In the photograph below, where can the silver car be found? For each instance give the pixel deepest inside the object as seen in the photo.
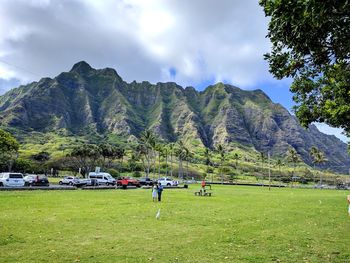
(68, 180)
(75, 181)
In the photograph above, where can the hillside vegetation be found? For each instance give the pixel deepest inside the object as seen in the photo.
(87, 105)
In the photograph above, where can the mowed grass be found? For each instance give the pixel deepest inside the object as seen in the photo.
(237, 224)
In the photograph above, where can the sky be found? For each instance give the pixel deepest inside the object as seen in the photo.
(194, 43)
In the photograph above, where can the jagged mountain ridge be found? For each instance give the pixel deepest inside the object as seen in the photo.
(85, 99)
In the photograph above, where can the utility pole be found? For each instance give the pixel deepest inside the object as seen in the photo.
(268, 156)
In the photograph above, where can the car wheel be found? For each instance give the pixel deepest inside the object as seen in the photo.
(60, 182)
(70, 183)
(107, 184)
(168, 184)
(1, 184)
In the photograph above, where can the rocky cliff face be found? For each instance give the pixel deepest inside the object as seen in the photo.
(86, 100)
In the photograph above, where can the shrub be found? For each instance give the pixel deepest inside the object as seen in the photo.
(25, 166)
(113, 172)
(137, 174)
(210, 170)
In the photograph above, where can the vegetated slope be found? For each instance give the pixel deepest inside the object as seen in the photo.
(85, 100)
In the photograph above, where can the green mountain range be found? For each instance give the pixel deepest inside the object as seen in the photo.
(87, 101)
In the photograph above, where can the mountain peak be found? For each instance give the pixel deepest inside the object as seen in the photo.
(89, 102)
(81, 67)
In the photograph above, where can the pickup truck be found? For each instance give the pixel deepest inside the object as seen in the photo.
(146, 181)
(127, 181)
(167, 182)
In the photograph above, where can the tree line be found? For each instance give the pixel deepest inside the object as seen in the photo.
(149, 156)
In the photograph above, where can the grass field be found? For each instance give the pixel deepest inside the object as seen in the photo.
(237, 224)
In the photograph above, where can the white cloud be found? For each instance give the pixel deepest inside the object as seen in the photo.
(189, 42)
(201, 39)
(338, 132)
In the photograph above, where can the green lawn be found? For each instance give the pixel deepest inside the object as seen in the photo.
(237, 224)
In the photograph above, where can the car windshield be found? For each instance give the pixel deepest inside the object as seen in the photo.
(16, 176)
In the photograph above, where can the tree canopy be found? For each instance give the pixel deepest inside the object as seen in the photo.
(8, 148)
(86, 157)
(7, 142)
(311, 44)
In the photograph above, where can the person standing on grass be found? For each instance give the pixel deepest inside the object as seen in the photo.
(349, 204)
(160, 190)
(154, 192)
(124, 183)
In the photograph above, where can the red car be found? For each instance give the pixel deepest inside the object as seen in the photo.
(125, 180)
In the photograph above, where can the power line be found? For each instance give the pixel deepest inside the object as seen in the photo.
(20, 68)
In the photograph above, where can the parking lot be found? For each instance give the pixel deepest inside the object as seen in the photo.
(58, 187)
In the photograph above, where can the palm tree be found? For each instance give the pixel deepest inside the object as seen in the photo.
(236, 158)
(207, 155)
(165, 152)
(154, 152)
(187, 156)
(132, 161)
(110, 152)
(293, 157)
(147, 140)
(320, 158)
(313, 153)
(279, 163)
(122, 154)
(159, 148)
(140, 153)
(220, 149)
(262, 156)
(171, 147)
(180, 154)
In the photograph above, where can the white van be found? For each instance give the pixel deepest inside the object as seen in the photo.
(11, 179)
(102, 178)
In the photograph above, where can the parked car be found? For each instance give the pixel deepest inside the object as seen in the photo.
(102, 178)
(75, 181)
(67, 180)
(78, 182)
(342, 186)
(11, 180)
(146, 181)
(167, 182)
(130, 181)
(192, 181)
(36, 180)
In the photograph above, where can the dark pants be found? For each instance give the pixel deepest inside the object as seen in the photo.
(159, 196)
